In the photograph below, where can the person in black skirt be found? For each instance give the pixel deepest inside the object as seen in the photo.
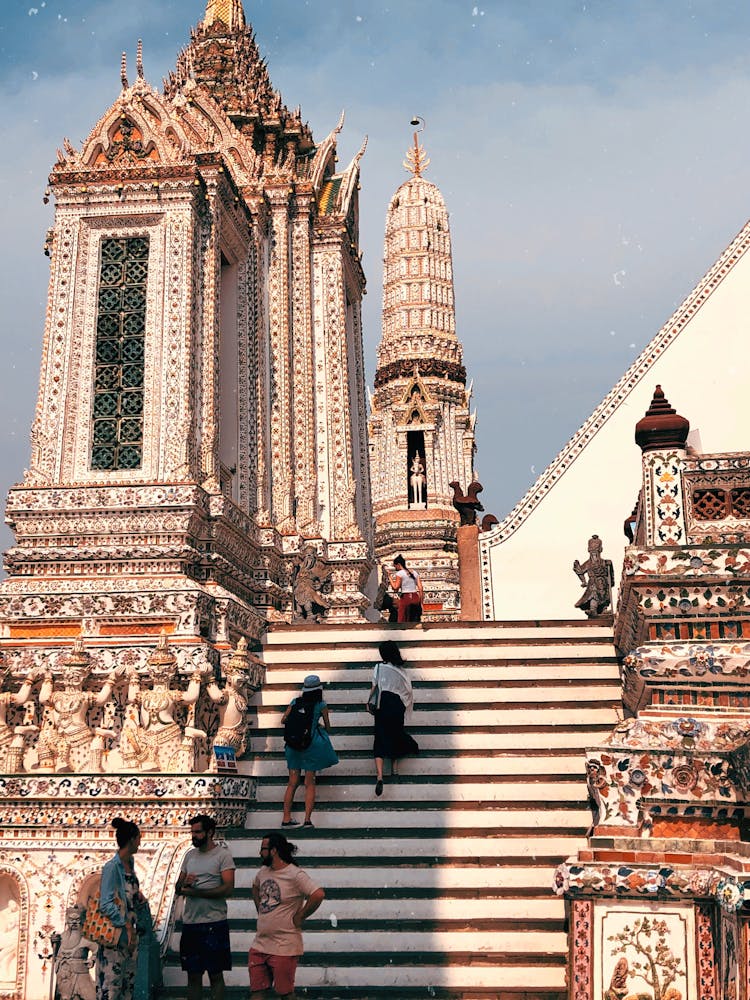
(395, 699)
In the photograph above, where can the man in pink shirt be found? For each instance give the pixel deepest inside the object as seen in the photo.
(284, 897)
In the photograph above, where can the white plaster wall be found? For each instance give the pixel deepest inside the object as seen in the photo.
(705, 374)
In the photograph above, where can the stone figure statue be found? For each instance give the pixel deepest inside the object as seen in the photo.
(243, 675)
(597, 576)
(467, 506)
(309, 576)
(66, 738)
(417, 481)
(12, 737)
(152, 740)
(73, 959)
(10, 923)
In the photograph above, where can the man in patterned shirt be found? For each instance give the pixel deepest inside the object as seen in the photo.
(284, 897)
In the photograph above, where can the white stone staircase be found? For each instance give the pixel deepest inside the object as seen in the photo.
(442, 887)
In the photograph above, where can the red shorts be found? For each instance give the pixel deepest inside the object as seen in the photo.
(272, 970)
(409, 607)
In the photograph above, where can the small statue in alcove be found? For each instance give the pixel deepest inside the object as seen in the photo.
(417, 481)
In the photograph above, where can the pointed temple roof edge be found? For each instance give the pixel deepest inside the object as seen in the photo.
(639, 369)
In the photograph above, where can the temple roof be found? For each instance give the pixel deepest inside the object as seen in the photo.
(223, 58)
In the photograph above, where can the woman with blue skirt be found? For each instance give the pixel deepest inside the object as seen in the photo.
(316, 757)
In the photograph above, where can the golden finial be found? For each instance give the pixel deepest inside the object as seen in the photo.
(416, 161)
(229, 12)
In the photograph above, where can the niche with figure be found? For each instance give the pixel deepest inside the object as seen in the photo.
(10, 934)
(417, 473)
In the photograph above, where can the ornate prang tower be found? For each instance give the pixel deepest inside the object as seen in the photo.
(421, 430)
(201, 414)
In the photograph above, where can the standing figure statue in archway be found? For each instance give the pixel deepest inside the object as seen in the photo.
(417, 481)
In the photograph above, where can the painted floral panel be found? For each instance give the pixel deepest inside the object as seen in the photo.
(644, 951)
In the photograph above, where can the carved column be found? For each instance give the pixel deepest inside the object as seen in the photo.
(46, 432)
(357, 393)
(259, 488)
(280, 361)
(582, 950)
(333, 414)
(305, 474)
(705, 951)
(210, 324)
(178, 457)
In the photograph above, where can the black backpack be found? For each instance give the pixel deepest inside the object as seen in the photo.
(298, 728)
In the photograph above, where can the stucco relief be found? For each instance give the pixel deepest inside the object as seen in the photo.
(644, 950)
(10, 936)
(154, 710)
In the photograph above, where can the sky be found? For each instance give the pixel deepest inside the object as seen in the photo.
(593, 157)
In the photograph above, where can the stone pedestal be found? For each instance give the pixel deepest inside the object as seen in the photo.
(468, 568)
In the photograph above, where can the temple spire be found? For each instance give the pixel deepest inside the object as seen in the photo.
(229, 12)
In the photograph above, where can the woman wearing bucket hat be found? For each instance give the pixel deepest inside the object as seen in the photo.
(316, 756)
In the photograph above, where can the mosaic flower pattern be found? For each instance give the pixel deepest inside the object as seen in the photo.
(689, 659)
(664, 881)
(619, 782)
(150, 800)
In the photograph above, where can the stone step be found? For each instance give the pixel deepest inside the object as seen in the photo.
(489, 717)
(445, 909)
(443, 789)
(321, 936)
(351, 696)
(525, 670)
(288, 658)
(566, 738)
(406, 969)
(446, 766)
(365, 845)
(402, 992)
(472, 816)
(407, 881)
(445, 634)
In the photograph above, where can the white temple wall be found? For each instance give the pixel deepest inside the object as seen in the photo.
(700, 360)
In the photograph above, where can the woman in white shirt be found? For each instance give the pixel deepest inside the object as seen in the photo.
(395, 699)
(408, 586)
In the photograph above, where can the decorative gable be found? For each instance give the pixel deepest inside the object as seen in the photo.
(416, 406)
(139, 129)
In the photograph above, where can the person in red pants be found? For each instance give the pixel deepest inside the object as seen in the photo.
(408, 586)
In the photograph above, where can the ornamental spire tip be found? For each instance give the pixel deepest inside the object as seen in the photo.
(416, 161)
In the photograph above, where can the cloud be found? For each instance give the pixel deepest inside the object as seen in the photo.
(568, 150)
